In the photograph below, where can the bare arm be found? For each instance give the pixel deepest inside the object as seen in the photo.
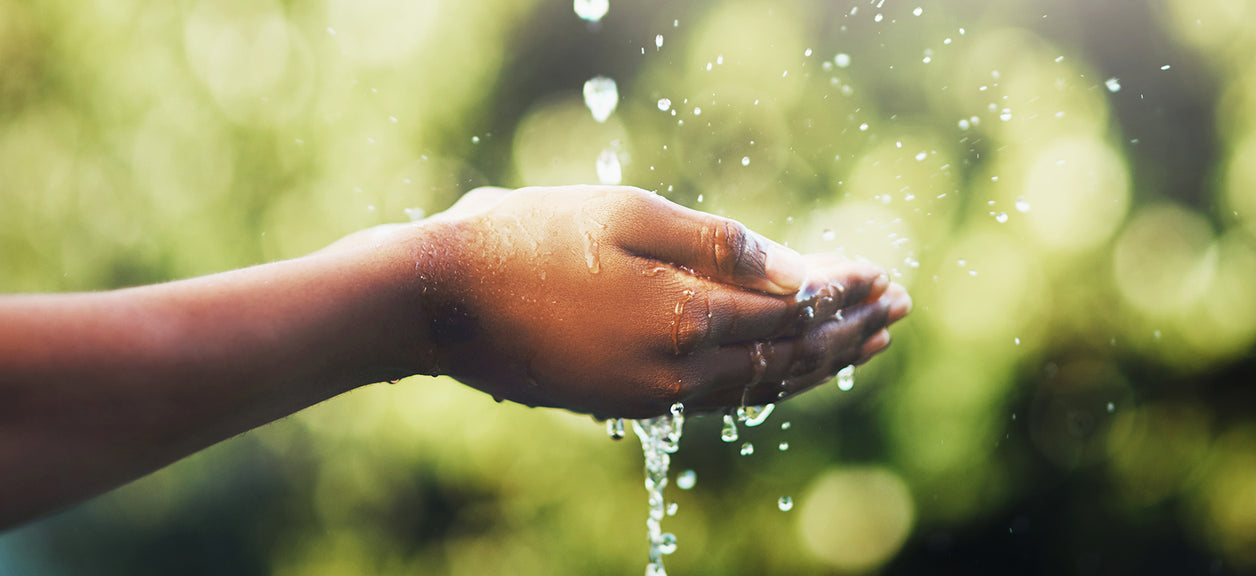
(602, 300)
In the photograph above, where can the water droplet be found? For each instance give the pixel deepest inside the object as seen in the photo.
(475, 139)
(785, 425)
(879, 17)
(829, 235)
(697, 111)
(863, 127)
(658, 41)
(963, 124)
(609, 171)
(700, 198)
(1113, 85)
(672, 508)
(842, 60)
(846, 378)
(615, 428)
(1111, 407)
(918, 11)
(415, 214)
(686, 480)
(667, 543)
(747, 449)
(1016, 341)
(921, 157)
(729, 432)
(745, 160)
(601, 96)
(785, 503)
(1001, 217)
(1166, 67)
(911, 262)
(655, 569)
(665, 104)
(755, 415)
(1006, 114)
(784, 446)
(591, 10)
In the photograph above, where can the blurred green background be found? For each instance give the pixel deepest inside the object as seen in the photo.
(1067, 187)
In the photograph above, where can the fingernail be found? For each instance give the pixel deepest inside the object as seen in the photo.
(785, 268)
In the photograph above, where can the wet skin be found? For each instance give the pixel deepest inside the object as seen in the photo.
(618, 303)
(608, 301)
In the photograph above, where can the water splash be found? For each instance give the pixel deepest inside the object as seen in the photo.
(591, 10)
(660, 438)
(601, 96)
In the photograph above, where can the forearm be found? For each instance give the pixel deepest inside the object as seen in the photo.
(97, 389)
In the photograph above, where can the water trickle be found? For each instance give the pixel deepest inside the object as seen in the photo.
(785, 503)
(686, 480)
(591, 10)
(660, 437)
(679, 310)
(729, 432)
(747, 449)
(615, 428)
(846, 378)
(601, 96)
(609, 171)
(591, 257)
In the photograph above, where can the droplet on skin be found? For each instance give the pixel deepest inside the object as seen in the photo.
(785, 503)
(686, 480)
(601, 96)
(591, 10)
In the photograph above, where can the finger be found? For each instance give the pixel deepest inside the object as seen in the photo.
(713, 246)
(900, 302)
(800, 362)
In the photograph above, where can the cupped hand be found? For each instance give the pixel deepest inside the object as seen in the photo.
(616, 302)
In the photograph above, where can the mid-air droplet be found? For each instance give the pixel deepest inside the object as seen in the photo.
(601, 96)
(785, 503)
(591, 10)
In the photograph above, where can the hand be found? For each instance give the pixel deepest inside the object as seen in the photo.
(616, 302)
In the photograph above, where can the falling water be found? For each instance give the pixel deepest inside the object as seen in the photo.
(660, 438)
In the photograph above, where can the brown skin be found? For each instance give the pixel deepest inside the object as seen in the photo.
(610, 301)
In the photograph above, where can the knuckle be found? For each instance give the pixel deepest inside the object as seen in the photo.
(731, 248)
